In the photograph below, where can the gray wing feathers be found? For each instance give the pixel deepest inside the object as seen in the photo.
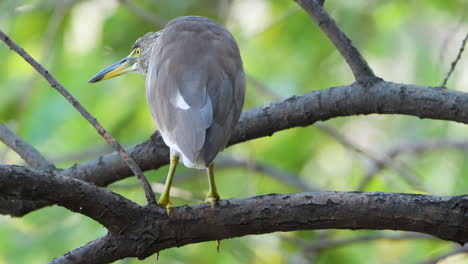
(195, 91)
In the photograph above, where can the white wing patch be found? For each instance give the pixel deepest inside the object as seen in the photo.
(181, 103)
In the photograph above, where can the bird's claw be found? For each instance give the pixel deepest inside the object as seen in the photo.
(212, 198)
(166, 204)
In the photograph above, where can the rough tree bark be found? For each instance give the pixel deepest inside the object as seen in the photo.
(140, 231)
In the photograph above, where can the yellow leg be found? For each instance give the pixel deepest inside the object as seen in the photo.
(165, 200)
(212, 197)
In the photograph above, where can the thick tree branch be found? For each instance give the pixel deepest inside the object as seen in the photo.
(109, 209)
(136, 231)
(356, 99)
(443, 217)
(382, 98)
(129, 161)
(26, 151)
(327, 24)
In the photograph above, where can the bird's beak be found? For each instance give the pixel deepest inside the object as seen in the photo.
(125, 65)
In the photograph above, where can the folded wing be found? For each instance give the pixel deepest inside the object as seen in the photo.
(195, 88)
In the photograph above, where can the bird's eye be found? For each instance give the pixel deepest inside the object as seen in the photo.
(137, 51)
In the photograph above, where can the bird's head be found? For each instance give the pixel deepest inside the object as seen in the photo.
(136, 61)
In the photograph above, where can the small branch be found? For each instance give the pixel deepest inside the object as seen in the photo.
(50, 36)
(262, 88)
(143, 14)
(381, 159)
(111, 210)
(452, 32)
(359, 66)
(100, 129)
(282, 176)
(410, 147)
(29, 154)
(159, 188)
(455, 62)
(456, 251)
(85, 154)
(312, 250)
(97, 251)
(282, 18)
(225, 162)
(327, 244)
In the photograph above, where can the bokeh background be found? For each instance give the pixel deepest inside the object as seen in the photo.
(285, 54)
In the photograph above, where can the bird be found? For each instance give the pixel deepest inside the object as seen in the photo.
(195, 89)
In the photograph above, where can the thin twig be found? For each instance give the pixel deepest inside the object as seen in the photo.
(49, 40)
(411, 147)
(312, 250)
(282, 176)
(262, 88)
(224, 163)
(159, 188)
(327, 24)
(280, 19)
(405, 171)
(100, 129)
(455, 62)
(143, 14)
(327, 244)
(84, 154)
(26, 151)
(456, 251)
(453, 32)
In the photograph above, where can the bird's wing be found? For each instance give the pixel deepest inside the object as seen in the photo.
(195, 87)
(229, 94)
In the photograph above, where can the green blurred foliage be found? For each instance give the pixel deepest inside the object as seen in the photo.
(404, 41)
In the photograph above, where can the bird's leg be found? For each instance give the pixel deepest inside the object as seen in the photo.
(165, 200)
(212, 197)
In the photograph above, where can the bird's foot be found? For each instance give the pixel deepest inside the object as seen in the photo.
(212, 198)
(166, 203)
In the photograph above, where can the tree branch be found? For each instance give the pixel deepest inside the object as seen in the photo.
(455, 62)
(100, 129)
(328, 244)
(136, 231)
(26, 151)
(377, 158)
(280, 175)
(356, 99)
(382, 98)
(439, 259)
(143, 14)
(414, 147)
(97, 251)
(327, 24)
(443, 217)
(111, 210)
